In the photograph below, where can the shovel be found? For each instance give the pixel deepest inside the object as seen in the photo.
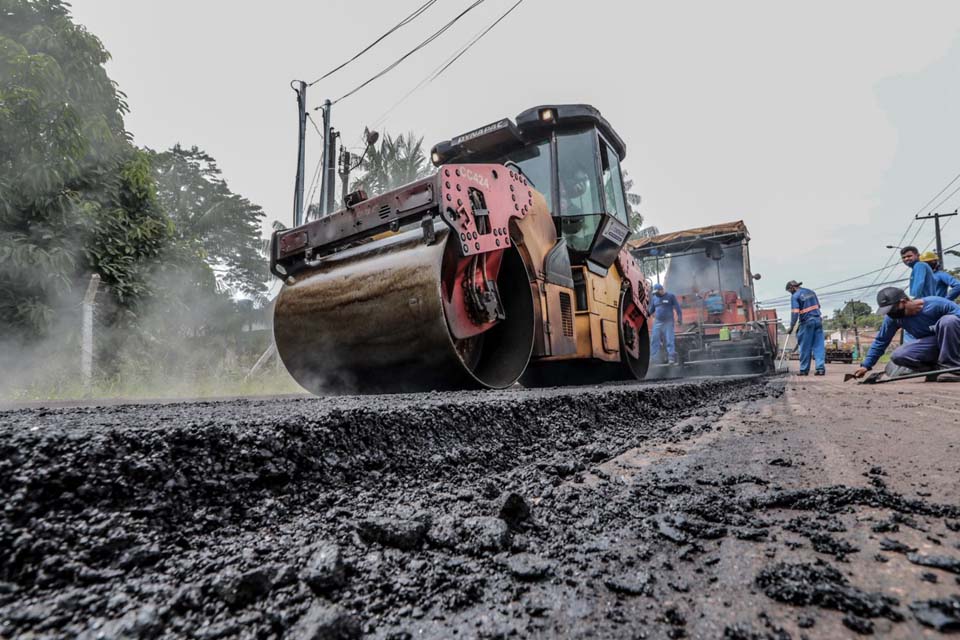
(874, 378)
(783, 353)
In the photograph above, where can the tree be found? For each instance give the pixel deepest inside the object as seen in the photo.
(953, 272)
(396, 162)
(854, 308)
(633, 203)
(211, 223)
(75, 196)
(843, 318)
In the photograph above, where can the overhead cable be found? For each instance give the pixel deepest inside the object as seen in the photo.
(436, 34)
(475, 40)
(410, 18)
(433, 75)
(891, 261)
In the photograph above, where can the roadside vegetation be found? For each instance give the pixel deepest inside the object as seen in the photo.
(183, 279)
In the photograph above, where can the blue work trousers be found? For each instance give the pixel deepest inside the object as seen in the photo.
(663, 332)
(810, 340)
(942, 348)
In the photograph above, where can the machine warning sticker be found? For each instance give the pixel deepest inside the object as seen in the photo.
(615, 232)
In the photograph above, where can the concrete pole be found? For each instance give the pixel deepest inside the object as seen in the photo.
(86, 330)
(936, 226)
(301, 91)
(326, 161)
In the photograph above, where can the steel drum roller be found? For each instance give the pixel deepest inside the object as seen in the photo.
(372, 318)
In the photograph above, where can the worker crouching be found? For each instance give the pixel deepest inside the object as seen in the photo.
(664, 305)
(933, 321)
(805, 312)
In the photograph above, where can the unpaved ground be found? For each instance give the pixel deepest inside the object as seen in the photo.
(706, 509)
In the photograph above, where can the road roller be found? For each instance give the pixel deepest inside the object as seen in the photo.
(508, 264)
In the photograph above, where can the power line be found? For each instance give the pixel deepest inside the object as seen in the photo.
(826, 294)
(410, 18)
(436, 34)
(474, 41)
(941, 230)
(830, 295)
(892, 259)
(953, 246)
(316, 172)
(433, 75)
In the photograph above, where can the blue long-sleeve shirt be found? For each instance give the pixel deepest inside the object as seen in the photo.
(947, 286)
(922, 282)
(663, 308)
(804, 306)
(919, 326)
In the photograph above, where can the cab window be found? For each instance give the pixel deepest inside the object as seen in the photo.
(581, 210)
(534, 162)
(576, 160)
(612, 183)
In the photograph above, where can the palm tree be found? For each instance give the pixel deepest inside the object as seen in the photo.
(395, 162)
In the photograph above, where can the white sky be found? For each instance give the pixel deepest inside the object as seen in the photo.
(824, 125)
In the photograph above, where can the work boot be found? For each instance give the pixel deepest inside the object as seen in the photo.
(820, 372)
(803, 373)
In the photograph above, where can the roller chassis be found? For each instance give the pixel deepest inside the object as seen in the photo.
(461, 279)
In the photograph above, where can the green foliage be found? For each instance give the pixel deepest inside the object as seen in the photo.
(954, 272)
(75, 196)
(396, 162)
(844, 318)
(633, 203)
(212, 223)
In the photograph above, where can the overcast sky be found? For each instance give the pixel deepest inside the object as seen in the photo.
(824, 125)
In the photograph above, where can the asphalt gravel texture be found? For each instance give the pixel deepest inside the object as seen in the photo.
(479, 514)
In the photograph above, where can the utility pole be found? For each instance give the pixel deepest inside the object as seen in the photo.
(345, 160)
(328, 170)
(936, 222)
(856, 332)
(300, 88)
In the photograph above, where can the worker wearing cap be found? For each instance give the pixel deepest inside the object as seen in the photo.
(805, 312)
(922, 282)
(946, 285)
(933, 321)
(664, 306)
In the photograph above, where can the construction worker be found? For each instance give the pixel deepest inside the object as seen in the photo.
(805, 310)
(664, 306)
(922, 282)
(947, 286)
(933, 321)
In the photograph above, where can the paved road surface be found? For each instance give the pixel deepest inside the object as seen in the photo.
(737, 509)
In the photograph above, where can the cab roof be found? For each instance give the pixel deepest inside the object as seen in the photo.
(676, 241)
(504, 135)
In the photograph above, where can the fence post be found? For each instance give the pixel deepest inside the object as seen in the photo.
(86, 331)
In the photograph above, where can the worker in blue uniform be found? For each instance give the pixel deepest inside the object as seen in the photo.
(934, 321)
(922, 282)
(805, 315)
(664, 306)
(946, 284)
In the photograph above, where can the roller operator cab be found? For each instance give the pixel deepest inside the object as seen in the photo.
(571, 155)
(508, 264)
